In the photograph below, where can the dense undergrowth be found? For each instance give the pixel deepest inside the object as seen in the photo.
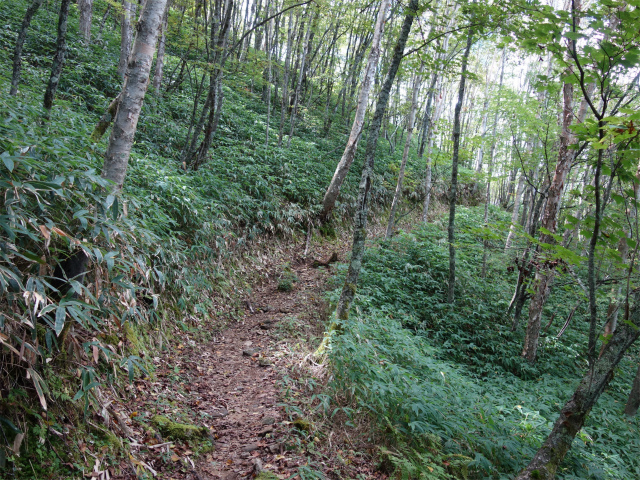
(446, 385)
(160, 256)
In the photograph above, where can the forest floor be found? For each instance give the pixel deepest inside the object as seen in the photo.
(250, 385)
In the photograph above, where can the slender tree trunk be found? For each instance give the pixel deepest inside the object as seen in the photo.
(544, 464)
(162, 44)
(126, 36)
(285, 80)
(360, 224)
(58, 60)
(17, 52)
(454, 171)
(492, 152)
(427, 138)
(303, 65)
(133, 91)
(544, 275)
(86, 13)
(514, 214)
(342, 169)
(633, 402)
(269, 49)
(405, 154)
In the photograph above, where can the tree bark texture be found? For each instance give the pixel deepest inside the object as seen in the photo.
(86, 13)
(58, 59)
(162, 44)
(360, 222)
(329, 201)
(17, 52)
(133, 91)
(126, 35)
(633, 402)
(544, 464)
(454, 171)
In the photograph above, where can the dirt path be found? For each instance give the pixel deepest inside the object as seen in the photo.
(232, 385)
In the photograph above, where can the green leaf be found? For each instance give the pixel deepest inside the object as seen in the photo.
(61, 315)
(8, 161)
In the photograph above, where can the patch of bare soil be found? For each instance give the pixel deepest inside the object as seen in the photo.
(239, 386)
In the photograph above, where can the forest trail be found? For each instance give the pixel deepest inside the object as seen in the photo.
(232, 384)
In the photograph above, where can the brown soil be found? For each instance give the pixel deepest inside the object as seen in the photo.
(243, 385)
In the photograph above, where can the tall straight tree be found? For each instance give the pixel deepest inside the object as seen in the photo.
(133, 91)
(86, 13)
(405, 154)
(453, 192)
(360, 222)
(330, 196)
(126, 35)
(58, 59)
(17, 52)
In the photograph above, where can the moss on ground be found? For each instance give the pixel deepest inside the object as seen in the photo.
(179, 431)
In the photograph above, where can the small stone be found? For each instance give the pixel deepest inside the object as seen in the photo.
(265, 431)
(250, 352)
(252, 447)
(222, 412)
(268, 421)
(273, 448)
(264, 362)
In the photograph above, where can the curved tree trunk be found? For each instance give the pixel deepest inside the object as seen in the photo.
(544, 464)
(58, 60)
(137, 80)
(454, 171)
(329, 201)
(17, 53)
(360, 222)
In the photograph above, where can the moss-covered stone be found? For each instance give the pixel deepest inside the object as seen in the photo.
(267, 475)
(179, 431)
(303, 425)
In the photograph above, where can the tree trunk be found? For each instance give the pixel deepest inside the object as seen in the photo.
(329, 201)
(303, 65)
(454, 171)
(126, 35)
(544, 275)
(285, 80)
(360, 222)
(86, 12)
(427, 138)
(133, 91)
(405, 155)
(17, 53)
(633, 402)
(105, 120)
(58, 59)
(544, 464)
(492, 153)
(514, 214)
(157, 76)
